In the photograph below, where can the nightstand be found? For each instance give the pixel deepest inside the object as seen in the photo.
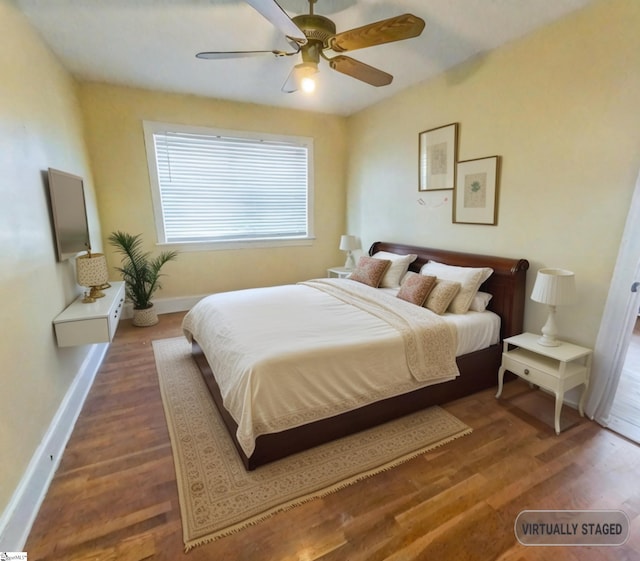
(339, 272)
(556, 369)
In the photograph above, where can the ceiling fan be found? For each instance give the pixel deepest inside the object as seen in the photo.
(314, 37)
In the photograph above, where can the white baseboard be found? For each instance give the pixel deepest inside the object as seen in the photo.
(21, 512)
(167, 305)
(17, 519)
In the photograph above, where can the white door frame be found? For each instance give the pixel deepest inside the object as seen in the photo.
(621, 311)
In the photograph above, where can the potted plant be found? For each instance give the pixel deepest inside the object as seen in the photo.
(140, 273)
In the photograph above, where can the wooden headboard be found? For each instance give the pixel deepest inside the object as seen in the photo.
(507, 283)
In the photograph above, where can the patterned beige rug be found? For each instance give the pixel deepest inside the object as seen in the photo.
(218, 496)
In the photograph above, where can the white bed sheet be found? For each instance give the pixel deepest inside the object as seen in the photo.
(476, 330)
(300, 373)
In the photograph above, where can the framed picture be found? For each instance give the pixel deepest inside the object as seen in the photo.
(475, 199)
(437, 157)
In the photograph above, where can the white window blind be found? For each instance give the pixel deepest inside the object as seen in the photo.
(218, 187)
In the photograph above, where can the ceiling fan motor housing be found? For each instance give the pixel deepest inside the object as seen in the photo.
(317, 29)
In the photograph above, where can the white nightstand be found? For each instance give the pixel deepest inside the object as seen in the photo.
(556, 369)
(339, 272)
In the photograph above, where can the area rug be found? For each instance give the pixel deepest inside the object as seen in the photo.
(219, 497)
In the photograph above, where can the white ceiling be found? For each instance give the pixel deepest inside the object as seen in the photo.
(151, 43)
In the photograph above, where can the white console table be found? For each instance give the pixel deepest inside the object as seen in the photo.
(96, 322)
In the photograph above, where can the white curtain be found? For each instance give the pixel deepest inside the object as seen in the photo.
(620, 313)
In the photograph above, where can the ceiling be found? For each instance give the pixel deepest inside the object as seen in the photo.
(151, 44)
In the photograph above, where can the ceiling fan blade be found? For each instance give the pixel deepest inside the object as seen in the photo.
(220, 55)
(272, 11)
(377, 33)
(360, 71)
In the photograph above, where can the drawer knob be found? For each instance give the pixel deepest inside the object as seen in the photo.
(526, 371)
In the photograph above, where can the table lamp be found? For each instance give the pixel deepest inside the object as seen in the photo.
(349, 243)
(92, 272)
(554, 287)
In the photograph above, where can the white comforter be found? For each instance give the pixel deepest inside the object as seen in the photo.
(285, 356)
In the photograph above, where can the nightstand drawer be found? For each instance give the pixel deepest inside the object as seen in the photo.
(114, 316)
(527, 371)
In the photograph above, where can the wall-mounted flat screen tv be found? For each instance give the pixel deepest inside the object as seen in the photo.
(69, 212)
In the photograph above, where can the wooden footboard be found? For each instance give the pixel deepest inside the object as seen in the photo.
(478, 370)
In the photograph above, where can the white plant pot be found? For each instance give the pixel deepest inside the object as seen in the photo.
(145, 318)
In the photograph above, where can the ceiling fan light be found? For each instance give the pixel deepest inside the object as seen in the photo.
(308, 84)
(305, 76)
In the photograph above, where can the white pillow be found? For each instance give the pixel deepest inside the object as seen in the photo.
(470, 279)
(398, 268)
(480, 301)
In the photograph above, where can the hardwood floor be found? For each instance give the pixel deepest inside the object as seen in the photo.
(115, 497)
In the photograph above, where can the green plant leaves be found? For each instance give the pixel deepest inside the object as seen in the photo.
(140, 272)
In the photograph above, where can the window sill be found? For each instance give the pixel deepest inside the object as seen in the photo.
(239, 244)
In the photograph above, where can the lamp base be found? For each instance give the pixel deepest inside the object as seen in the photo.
(550, 330)
(548, 341)
(94, 294)
(350, 263)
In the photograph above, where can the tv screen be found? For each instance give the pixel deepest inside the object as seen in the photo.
(69, 213)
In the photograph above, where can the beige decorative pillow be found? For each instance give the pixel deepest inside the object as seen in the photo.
(470, 279)
(415, 288)
(398, 268)
(441, 295)
(370, 271)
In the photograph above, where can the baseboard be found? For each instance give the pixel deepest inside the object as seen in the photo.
(21, 512)
(167, 305)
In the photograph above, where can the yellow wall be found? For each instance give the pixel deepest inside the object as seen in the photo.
(113, 118)
(562, 108)
(40, 127)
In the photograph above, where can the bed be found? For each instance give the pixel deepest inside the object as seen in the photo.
(423, 384)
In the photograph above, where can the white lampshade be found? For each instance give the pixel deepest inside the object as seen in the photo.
(349, 243)
(92, 272)
(554, 287)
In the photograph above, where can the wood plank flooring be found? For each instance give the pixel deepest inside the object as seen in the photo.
(115, 497)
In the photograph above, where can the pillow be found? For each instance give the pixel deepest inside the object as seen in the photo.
(441, 295)
(370, 271)
(480, 301)
(415, 288)
(399, 266)
(470, 279)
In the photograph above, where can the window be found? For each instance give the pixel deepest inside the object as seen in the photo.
(229, 187)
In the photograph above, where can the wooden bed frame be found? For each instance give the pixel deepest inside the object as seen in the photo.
(478, 370)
